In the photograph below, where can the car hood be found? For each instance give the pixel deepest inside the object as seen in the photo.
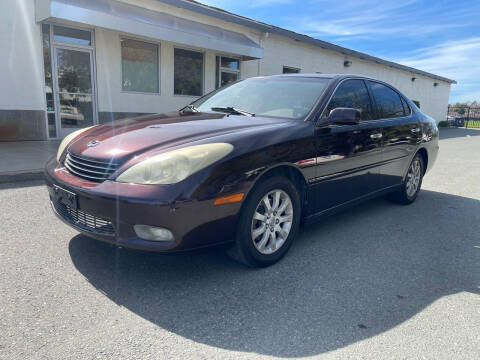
(124, 139)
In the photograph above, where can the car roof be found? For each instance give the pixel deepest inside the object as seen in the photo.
(326, 76)
(336, 77)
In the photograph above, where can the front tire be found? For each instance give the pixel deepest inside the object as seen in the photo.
(412, 183)
(268, 223)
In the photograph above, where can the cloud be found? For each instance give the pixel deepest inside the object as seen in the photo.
(458, 60)
(235, 5)
(351, 18)
(379, 25)
(373, 19)
(262, 3)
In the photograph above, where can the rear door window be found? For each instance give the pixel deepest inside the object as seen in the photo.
(388, 102)
(352, 94)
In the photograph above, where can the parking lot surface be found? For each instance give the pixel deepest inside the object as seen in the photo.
(377, 281)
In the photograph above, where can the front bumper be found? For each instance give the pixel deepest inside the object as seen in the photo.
(194, 223)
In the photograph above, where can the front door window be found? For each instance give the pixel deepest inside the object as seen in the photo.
(352, 94)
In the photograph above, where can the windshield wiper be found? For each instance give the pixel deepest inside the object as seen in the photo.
(232, 110)
(190, 108)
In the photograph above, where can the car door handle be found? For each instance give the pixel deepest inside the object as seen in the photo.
(415, 130)
(376, 136)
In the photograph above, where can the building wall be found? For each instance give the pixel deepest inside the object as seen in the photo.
(281, 51)
(22, 96)
(108, 59)
(22, 100)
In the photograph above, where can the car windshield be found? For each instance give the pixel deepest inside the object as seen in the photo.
(285, 97)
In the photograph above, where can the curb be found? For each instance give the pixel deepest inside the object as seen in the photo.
(16, 176)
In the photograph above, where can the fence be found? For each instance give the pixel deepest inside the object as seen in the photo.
(463, 116)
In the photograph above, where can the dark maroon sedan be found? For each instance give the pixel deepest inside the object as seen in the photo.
(244, 165)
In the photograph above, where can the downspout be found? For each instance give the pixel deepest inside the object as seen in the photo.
(263, 37)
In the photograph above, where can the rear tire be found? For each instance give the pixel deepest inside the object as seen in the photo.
(412, 183)
(268, 223)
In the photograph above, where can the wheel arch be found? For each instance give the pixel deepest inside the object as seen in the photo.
(288, 170)
(424, 153)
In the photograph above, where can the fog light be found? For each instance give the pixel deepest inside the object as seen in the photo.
(153, 233)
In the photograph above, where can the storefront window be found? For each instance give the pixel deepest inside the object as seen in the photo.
(72, 36)
(139, 66)
(290, 70)
(188, 72)
(229, 63)
(227, 70)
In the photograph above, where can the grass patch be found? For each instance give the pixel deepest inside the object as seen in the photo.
(472, 124)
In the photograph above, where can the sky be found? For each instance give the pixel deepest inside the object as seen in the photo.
(441, 37)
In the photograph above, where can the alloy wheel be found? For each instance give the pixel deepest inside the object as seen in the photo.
(272, 221)
(413, 177)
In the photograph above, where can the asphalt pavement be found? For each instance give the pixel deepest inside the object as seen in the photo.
(379, 281)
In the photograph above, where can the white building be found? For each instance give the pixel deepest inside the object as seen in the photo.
(72, 63)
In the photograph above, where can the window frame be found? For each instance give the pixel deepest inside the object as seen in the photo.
(323, 114)
(203, 72)
(291, 68)
(218, 72)
(51, 68)
(159, 67)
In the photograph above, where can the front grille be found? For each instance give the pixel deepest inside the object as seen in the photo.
(86, 168)
(82, 220)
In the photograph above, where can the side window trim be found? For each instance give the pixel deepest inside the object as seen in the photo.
(373, 109)
(406, 108)
(373, 104)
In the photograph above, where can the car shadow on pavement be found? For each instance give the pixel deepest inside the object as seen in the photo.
(347, 278)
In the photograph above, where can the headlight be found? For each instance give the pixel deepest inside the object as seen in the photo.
(67, 140)
(175, 166)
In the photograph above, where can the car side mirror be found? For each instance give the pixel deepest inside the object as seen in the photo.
(344, 116)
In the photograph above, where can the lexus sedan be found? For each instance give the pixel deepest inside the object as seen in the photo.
(244, 165)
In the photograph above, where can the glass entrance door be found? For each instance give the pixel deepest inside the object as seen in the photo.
(74, 89)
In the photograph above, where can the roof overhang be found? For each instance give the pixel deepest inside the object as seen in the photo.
(131, 19)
